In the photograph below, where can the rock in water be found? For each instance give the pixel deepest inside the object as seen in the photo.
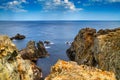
(18, 37)
(33, 52)
(12, 66)
(63, 70)
(99, 49)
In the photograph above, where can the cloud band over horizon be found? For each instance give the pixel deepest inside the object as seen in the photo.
(63, 7)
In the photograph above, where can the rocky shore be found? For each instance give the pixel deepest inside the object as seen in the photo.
(98, 49)
(94, 55)
(63, 70)
(13, 66)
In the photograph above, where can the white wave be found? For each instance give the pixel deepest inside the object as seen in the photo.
(51, 43)
(47, 47)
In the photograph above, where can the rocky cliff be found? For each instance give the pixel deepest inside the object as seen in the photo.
(99, 49)
(12, 65)
(63, 70)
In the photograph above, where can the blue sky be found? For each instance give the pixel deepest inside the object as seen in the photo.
(59, 9)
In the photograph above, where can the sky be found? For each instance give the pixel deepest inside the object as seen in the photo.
(59, 10)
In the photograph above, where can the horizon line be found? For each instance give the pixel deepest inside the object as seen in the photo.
(59, 20)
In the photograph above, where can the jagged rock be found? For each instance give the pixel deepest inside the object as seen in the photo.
(63, 70)
(81, 48)
(99, 49)
(12, 65)
(32, 52)
(18, 37)
(47, 42)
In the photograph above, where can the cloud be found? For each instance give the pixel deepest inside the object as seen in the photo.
(15, 6)
(105, 1)
(99, 2)
(59, 5)
(114, 0)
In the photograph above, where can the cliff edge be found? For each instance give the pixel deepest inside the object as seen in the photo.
(98, 49)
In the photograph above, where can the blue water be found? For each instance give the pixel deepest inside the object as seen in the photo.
(57, 32)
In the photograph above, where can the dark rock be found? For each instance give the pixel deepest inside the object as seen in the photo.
(41, 50)
(47, 42)
(71, 54)
(18, 37)
(99, 49)
(68, 43)
(33, 52)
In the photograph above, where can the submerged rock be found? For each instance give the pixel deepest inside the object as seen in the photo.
(63, 70)
(18, 37)
(13, 66)
(99, 49)
(33, 52)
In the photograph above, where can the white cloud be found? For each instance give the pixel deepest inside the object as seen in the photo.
(15, 6)
(114, 0)
(66, 1)
(52, 5)
(105, 0)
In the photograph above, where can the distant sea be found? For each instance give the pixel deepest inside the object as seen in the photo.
(57, 32)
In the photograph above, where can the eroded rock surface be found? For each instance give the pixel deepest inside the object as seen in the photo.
(99, 49)
(33, 52)
(13, 66)
(63, 70)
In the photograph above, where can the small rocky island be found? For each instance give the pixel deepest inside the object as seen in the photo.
(18, 37)
(33, 52)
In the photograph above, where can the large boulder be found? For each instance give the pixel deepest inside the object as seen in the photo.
(63, 70)
(99, 49)
(13, 66)
(33, 52)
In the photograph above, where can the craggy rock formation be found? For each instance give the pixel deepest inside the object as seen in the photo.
(32, 52)
(12, 65)
(18, 37)
(63, 70)
(99, 49)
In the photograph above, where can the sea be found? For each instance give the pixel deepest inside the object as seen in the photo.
(57, 32)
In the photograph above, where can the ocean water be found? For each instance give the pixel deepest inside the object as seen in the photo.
(57, 32)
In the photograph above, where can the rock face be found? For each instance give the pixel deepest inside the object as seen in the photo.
(63, 70)
(12, 65)
(99, 49)
(18, 37)
(32, 52)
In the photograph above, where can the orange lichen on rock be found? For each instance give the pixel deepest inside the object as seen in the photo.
(63, 70)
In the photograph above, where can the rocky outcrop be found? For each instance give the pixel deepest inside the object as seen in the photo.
(99, 49)
(63, 70)
(13, 66)
(18, 37)
(33, 52)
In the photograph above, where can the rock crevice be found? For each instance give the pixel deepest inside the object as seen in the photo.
(99, 49)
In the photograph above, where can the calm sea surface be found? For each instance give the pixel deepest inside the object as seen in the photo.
(58, 32)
